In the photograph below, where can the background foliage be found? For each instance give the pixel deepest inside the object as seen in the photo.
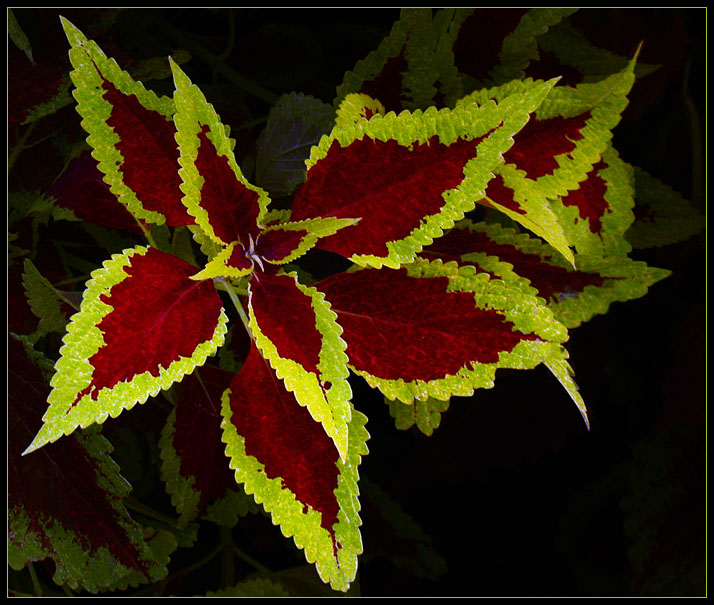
(512, 496)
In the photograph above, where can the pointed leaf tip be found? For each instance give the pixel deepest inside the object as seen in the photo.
(74, 35)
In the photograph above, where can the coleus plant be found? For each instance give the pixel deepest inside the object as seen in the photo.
(412, 149)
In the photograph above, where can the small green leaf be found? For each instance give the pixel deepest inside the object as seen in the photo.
(255, 587)
(295, 123)
(425, 415)
(663, 215)
(45, 301)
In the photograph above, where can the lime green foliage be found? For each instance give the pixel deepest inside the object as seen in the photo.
(225, 511)
(300, 522)
(519, 48)
(624, 278)
(315, 229)
(82, 341)
(425, 415)
(572, 48)
(91, 67)
(328, 405)
(45, 301)
(18, 37)
(193, 112)
(357, 107)
(429, 101)
(609, 240)
(603, 103)
(518, 305)
(666, 215)
(498, 122)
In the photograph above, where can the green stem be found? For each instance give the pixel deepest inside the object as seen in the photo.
(210, 59)
(35, 580)
(226, 286)
(147, 233)
(142, 508)
(20, 146)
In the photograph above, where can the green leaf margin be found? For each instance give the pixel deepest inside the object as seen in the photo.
(287, 512)
(83, 339)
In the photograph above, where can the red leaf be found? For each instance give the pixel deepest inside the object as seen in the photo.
(371, 179)
(150, 152)
(59, 487)
(549, 280)
(386, 86)
(480, 39)
(197, 435)
(276, 244)
(232, 208)
(540, 141)
(393, 325)
(159, 316)
(82, 190)
(286, 317)
(282, 436)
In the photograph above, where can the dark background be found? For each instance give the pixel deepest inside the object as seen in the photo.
(518, 498)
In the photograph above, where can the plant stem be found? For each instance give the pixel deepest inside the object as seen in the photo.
(142, 508)
(35, 580)
(226, 286)
(20, 146)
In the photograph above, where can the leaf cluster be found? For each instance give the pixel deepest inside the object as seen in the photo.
(266, 271)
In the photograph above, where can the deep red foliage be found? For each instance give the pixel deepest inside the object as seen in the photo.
(389, 186)
(282, 435)
(159, 315)
(393, 324)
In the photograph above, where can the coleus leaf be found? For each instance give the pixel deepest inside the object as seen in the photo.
(18, 36)
(295, 123)
(555, 151)
(411, 69)
(494, 45)
(663, 215)
(477, 324)
(564, 50)
(596, 215)
(277, 244)
(226, 207)
(408, 177)
(82, 190)
(44, 299)
(291, 466)
(574, 294)
(194, 464)
(295, 330)
(131, 133)
(65, 502)
(425, 415)
(143, 324)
